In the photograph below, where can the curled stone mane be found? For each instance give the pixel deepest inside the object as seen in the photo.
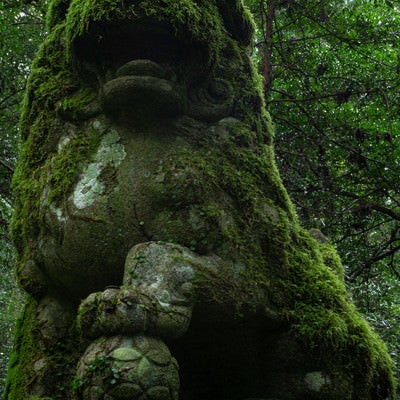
(153, 230)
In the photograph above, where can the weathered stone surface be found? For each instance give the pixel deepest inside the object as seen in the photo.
(125, 368)
(150, 213)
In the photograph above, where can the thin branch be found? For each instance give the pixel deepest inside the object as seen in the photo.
(267, 59)
(5, 237)
(316, 98)
(384, 255)
(6, 166)
(373, 206)
(10, 96)
(31, 23)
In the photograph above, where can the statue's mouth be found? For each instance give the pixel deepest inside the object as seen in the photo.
(141, 67)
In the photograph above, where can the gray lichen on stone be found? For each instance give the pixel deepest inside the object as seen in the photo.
(90, 188)
(316, 380)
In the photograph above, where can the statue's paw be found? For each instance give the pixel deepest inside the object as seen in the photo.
(112, 312)
(131, 368)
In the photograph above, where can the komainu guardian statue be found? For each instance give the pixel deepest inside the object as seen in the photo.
(161, 255)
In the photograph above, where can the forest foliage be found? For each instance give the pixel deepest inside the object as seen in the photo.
(331, 81)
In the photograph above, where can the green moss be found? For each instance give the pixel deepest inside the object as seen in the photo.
(374, 375)
(49, 82)
(56, 13)
(67, 163)
(57, 172)
(331, 259)
(74, 106)
(33, 358)
(25, 353)
(248, 206)
(52, 89)
(82, 14)
(326, 321)
(238, 20)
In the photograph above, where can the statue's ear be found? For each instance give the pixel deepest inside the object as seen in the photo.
(237, 19)
(56, 13)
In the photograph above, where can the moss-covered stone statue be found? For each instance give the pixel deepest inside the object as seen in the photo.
(161, 255)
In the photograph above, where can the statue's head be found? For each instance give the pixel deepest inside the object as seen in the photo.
(150, 58)
(182, 41)
(143, 121)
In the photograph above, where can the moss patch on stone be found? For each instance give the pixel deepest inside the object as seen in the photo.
(325, 320)
(25, 353)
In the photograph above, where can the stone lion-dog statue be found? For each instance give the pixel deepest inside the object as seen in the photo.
(161, 254)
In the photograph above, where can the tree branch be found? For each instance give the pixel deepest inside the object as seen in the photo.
(6, 166)
(373, 206)
(267, 59)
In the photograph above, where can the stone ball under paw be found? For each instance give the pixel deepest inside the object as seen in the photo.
(123, 367)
